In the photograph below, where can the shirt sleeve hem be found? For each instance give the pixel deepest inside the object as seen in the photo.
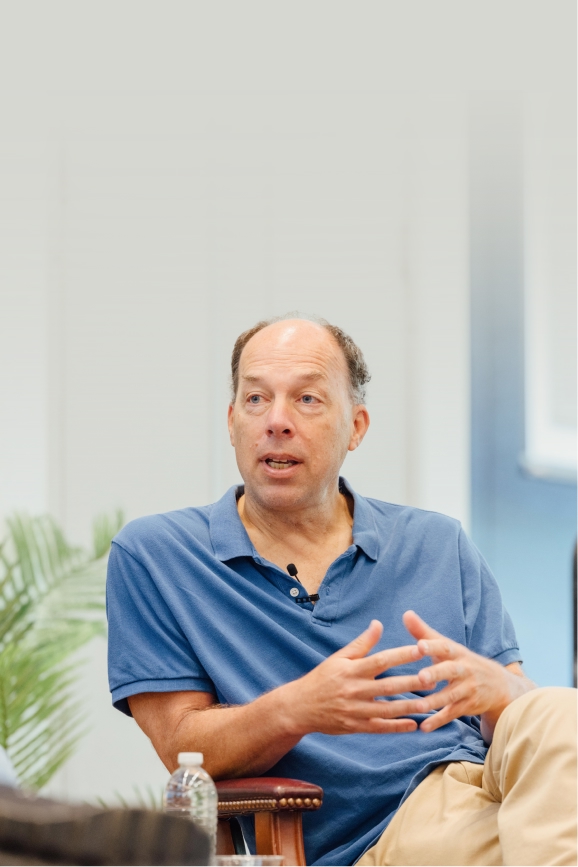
(194, 684)
(506, 657)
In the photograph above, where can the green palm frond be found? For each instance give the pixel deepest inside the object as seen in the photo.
(104, 529)
(52, 599)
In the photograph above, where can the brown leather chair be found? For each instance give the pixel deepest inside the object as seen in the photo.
(277, 805)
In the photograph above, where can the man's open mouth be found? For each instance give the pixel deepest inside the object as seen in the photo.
(280, 464)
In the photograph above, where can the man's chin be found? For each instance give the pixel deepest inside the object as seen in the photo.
(279, 495)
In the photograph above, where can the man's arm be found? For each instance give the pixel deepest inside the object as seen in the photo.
(235, 741)
(336, 697)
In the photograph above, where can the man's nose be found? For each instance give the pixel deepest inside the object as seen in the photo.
(279, 420)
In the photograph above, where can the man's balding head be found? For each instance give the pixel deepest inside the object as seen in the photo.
(356, 368)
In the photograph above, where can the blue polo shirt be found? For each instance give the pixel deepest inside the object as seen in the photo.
(192, 606)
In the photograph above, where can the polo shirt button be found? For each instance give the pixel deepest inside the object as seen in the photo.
(294, 591)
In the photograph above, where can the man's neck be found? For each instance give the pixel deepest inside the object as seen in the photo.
(312, 536)
(311, 522)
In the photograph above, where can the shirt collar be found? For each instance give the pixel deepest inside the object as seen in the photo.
(364, 528)
(229, 537)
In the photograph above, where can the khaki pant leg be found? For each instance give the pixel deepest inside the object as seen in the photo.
(517, 809)
(531, 769)
(448, 819)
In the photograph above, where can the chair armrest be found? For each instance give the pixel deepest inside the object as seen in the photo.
(266, 794)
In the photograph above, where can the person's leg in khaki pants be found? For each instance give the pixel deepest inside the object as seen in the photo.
(518, 808)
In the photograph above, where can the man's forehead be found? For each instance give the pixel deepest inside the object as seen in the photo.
(306, 366)
(257, 373)
(293, 352)
(295, 342)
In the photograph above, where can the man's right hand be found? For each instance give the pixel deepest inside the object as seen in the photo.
(339, 695)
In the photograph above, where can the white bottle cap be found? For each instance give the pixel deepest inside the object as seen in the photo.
(190, 759)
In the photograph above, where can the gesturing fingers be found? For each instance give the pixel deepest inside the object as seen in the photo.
(360, 646)
(441, 648)
(449, 670)
(449, 696)
(390, 726)
(381, 709)
(444, 716)
(395, 708)
(368, 688)
(379, 662)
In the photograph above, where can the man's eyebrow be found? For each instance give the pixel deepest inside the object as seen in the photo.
(307, 377)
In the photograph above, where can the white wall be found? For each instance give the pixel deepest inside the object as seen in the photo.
(171, 246)
(183, 169)
(23, 325)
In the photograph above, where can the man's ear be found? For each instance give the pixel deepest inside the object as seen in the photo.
(230, 419)
(360, 426)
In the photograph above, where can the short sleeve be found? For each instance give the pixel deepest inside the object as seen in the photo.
(489, 628)
(147, 650)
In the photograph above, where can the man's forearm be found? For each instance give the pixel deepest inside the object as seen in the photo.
(236, 741)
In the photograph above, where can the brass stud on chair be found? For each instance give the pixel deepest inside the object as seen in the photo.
(298, 802)
(307, 802)
(316, 802)
(291, 802)
(283, 802)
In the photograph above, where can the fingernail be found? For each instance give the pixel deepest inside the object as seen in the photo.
(425, 677)
(425, 646)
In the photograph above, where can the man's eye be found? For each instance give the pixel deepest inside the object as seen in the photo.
(255, 398)
(307, 398)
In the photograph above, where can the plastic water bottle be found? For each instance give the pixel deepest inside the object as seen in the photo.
(191, 793)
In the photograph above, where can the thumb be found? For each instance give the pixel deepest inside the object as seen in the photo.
(360, 646)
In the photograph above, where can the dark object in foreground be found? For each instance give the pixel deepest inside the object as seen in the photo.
(39, 831)
(277, 805)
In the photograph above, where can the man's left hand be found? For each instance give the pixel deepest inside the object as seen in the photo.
(475, 685)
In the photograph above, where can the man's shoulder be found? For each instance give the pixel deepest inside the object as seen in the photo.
(166, 529)
(384, 529)
(385, 512)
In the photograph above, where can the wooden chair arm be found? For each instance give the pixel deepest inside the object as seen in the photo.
(277, 804)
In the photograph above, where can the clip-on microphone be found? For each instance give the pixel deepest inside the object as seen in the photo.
(292, 569)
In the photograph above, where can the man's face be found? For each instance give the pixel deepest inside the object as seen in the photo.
(293, 421)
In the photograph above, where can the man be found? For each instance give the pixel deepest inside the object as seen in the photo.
(215, 647)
